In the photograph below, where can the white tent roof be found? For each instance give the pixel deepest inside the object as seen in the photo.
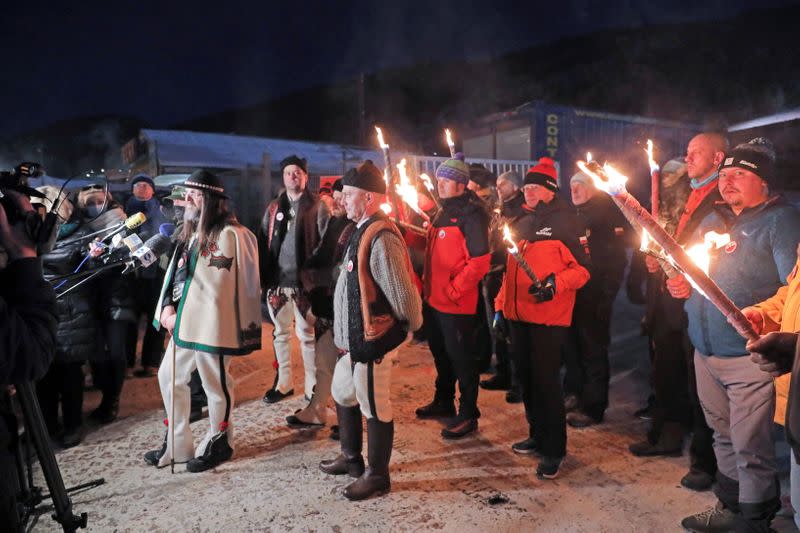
(217, 150)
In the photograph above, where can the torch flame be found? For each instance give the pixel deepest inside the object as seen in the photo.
(382, 144)
(406, 190)
(386, 208)
(507, 237)
(608, 179)
(649, 150)
(588, 157)
(427, 181)
(645, 244)
(699, 253)
(449, 138)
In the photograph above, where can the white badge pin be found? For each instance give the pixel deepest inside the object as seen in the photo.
(441, 234)
(350, 266)
(279, 217)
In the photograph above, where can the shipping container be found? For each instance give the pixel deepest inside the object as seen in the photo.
(566, 134)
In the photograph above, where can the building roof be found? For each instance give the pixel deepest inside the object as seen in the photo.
(768, 120)
(218, 150)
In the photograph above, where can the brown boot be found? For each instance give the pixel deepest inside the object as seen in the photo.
(351, 437)
(375, 480)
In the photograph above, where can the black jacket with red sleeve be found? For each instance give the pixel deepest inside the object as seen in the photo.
(457, 255)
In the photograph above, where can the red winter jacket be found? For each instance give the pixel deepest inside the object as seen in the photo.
(549, 240)
(457, 255)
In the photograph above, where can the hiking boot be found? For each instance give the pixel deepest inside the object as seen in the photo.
(548, 467)
(525, 447)
(217, 451)
(106, 412)
(154, 456)
(716, 519)
(460, 428)
(437, 409)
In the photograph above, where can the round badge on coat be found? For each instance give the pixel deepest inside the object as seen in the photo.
(350, 266)
(442, 234)
(279, 217)
(730, 247)
(180, 262)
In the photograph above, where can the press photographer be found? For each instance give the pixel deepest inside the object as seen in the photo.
(27, 323)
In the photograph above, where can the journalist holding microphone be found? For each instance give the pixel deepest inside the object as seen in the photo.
(27, 330)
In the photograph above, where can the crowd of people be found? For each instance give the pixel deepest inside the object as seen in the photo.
(511, 278)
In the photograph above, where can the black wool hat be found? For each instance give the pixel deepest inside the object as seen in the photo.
(757, 156)
(367, 176)
(294, 160)
(337, 185)
(543, 173)
(205, 181)
(145, 178)
(482, 175)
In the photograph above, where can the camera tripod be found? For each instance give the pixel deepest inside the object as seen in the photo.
(30, 495)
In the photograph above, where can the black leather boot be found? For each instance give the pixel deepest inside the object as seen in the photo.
(375, 479)
(217, 451)
(351, 438)
(154, 456)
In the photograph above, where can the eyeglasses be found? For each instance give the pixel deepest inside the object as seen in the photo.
(93, 187)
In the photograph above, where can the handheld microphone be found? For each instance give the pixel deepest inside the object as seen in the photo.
(131, 223)
(148, 253)
(167, 229)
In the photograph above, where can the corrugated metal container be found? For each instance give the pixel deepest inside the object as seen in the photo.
(564, 133)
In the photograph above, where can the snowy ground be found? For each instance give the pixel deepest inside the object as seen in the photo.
(476, 484)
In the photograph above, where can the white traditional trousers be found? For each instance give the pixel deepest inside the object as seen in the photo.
(218, 385)
(366, 385)
(287, 315)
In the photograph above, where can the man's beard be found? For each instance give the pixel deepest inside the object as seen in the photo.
(191, 214)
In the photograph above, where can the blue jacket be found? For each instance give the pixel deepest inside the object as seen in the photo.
(762, 253)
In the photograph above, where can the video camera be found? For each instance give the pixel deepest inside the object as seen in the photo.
(17, 180)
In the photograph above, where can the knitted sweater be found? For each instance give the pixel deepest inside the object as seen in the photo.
(761, 255)
(386, 263)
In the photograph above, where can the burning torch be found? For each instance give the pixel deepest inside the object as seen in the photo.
(514, 251)
(408, 192)
(450, 143)
(426, 180)
(387, 174)
(611, 181)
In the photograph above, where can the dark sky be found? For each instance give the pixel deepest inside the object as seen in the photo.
(168, 61)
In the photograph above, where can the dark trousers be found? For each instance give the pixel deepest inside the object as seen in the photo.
(109, 372)
(677, 407)
(586, 350)
(62, 384)
(537, 359)
(451, 339)
(146, 292)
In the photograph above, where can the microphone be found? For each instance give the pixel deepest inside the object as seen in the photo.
(167, 229)
(131, 223)
(148, 253)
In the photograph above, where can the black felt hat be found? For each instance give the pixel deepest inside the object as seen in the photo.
(205, 180)
(367, 176)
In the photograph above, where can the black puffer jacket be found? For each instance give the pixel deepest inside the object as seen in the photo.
(77, 315)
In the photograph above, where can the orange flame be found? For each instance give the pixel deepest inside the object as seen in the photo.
(427, 181)
(449, 138)
(588, 157)
(507, 237)
(645, 244)
(652, 162)
(406, 190)
(612, 182)
(386, 208)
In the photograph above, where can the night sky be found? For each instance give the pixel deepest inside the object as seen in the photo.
(164, 62)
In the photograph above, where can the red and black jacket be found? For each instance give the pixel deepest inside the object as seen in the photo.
(457, 255)
(549, 239)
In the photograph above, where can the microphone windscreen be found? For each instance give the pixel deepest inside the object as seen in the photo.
(158, 244)
(134, 221)
(166, 229)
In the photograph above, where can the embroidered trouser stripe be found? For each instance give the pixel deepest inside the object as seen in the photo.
(283, 319)
(224, 383)
(366, 385)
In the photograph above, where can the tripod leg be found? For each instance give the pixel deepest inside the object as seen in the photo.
(35, 428)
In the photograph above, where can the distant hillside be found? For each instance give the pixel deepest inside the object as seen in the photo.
(704, 72)
(723, 71)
